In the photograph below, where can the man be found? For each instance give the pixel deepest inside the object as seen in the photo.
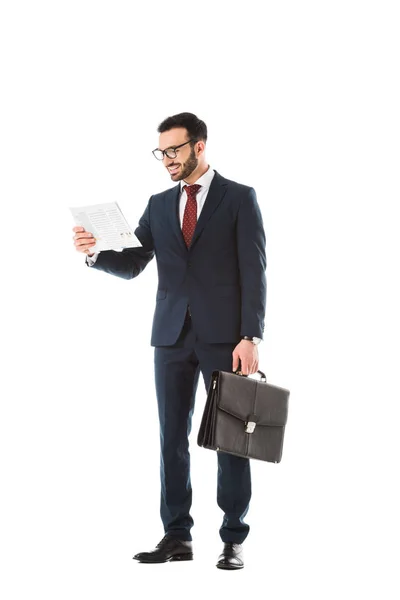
(208, 238)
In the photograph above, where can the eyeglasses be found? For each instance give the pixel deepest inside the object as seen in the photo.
(170, 152)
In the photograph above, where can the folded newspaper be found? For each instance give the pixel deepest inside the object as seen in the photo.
(108, 225)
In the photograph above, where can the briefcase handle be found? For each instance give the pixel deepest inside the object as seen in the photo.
(263, 376)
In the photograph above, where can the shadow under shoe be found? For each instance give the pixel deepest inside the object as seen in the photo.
(231, 557)
(169, 549)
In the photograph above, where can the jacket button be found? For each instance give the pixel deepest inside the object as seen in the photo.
(189, 264)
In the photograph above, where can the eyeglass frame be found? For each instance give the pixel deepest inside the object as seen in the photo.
(173, 148)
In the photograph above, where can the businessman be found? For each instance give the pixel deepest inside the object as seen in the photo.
(207, 235)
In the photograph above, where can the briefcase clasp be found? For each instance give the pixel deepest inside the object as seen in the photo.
(251, 423)
(250, 426)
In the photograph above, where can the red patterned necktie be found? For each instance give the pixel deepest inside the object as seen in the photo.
(190, 214)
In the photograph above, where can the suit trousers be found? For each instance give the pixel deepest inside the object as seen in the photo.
(177, 370)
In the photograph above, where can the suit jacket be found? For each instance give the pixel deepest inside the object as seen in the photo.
(221, 277)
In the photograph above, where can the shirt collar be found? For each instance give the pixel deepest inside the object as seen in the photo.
(204, 180)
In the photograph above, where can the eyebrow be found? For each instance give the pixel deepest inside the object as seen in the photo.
(168, 147)
(180, 144)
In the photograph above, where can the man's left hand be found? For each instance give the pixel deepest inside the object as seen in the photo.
(247, 353)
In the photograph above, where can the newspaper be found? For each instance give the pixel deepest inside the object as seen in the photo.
(108, 225)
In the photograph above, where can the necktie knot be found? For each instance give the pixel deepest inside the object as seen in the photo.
(191, 190)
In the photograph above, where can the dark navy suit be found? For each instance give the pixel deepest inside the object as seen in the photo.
(208, 296)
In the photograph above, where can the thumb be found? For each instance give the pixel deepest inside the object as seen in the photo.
(235, 364)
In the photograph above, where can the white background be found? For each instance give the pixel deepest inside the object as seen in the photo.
(302, 102)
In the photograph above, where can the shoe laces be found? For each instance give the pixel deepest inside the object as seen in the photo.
(163, 541)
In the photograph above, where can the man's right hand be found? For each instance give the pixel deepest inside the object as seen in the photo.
(83, 240)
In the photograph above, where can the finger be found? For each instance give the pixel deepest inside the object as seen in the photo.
(84, 247)
(235, 363)
(254, 367)
(84, 241)
(77, 228)
(86, 234)
(245, 367)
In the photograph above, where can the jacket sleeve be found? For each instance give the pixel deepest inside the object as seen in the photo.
(252, 266)
(131, 261)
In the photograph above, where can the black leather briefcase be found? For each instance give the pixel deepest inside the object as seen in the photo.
(244, 416)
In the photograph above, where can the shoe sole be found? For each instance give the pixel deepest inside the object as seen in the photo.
(188, 556)
(176, 557)
(229, 567)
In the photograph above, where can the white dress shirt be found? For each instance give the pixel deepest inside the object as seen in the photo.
(205, 182)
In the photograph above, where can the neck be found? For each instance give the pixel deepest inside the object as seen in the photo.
(197, 173)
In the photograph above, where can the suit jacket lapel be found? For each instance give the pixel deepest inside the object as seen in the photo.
(215, 195)
(174, 214)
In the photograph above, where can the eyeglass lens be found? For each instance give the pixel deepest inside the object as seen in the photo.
(159, 154)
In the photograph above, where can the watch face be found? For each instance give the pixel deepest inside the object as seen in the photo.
(256, 340)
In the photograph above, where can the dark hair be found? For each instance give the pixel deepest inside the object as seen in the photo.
(196, 128)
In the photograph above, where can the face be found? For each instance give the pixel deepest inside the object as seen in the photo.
(186, 161)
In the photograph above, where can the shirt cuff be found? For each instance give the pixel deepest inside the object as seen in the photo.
(90, 260)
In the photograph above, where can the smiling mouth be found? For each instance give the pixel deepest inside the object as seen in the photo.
(174, 169)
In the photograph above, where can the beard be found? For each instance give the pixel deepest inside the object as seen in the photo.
(187, 168)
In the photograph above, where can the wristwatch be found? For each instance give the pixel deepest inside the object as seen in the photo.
(255, 340)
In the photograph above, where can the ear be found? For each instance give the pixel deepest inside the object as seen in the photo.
(200, 147)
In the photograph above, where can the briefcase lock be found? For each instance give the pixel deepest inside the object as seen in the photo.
(251, 423)
(250, 426)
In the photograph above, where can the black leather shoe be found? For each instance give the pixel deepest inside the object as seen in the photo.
(231, 557)
(168, 549)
